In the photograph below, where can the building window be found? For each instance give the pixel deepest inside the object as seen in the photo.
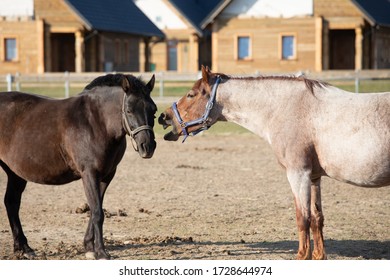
(288, 47)
(172, 55)
(243, 48)
(10, 49)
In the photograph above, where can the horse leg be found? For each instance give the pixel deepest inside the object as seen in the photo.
(317, 221)
(94, 245)
(300, 185)
(12, 199)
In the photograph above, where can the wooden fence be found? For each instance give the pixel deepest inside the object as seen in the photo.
(66, 79)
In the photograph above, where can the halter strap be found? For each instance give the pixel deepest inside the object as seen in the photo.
(126, 125)
(202, 120)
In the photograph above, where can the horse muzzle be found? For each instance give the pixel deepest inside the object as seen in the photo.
(147, 152)
(166, 121)
(142, 140)
(145, 146)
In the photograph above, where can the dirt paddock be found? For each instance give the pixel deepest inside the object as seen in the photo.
(214, 197)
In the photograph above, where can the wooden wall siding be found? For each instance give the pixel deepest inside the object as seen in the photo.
(382, 49)
(185, 60)
(57, 15)
(265, 39)
(113, 51)
(159, 56)
(336, 8)
(29, 36)
(92, 59)
(187, 51)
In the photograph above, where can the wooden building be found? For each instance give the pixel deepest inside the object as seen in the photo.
(236, 36)
(313, 35)
(355, 34)
(76, 36)
(187, 44)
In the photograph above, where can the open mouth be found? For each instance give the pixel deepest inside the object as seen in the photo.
(173, 135)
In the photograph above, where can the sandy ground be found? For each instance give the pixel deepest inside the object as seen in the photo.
(214, 197)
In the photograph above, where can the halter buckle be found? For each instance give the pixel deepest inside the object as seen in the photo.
(209, 105)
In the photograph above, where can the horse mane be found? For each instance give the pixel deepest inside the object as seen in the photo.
(113, 80)
(310, 83)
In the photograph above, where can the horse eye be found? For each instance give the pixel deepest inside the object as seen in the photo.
(190, 94)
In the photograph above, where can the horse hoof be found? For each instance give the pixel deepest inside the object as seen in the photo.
(90, 255)
(25, 253)
(103, 256)
(29, 255)
(319, 256)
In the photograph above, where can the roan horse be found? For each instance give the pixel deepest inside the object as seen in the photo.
(313, 128)
(51, 141)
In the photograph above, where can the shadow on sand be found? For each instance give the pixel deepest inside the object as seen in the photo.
(350, 249)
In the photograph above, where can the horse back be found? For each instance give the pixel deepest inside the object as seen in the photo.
(20, 111)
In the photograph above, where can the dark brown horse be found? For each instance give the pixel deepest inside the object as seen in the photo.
(49, 141)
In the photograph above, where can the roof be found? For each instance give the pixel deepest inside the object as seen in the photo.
(114, 16)
(197, 11)
(377, 12)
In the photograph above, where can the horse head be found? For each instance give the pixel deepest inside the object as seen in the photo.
(192, 113)
(138, 110)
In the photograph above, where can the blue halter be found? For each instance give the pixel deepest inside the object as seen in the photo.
(202, 120)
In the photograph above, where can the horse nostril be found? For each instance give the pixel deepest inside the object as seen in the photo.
(162, 118)
(146, 151)
(148, 148)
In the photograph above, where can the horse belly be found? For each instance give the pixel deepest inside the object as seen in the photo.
(366, 167)
(44, 175)
(42, 166)
(372, 178)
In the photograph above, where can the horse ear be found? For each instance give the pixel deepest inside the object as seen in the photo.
(150, 84)
(205, 74)
(125, 84)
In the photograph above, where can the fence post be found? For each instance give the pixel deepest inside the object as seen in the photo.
(17, 81)
(66, 84)
(357, 81)
(9, 82)
(161, 84)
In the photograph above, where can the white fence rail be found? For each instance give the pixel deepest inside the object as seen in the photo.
(16, 81)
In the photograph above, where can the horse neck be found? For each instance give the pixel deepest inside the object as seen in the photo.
(109, 108)
(252, 103)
